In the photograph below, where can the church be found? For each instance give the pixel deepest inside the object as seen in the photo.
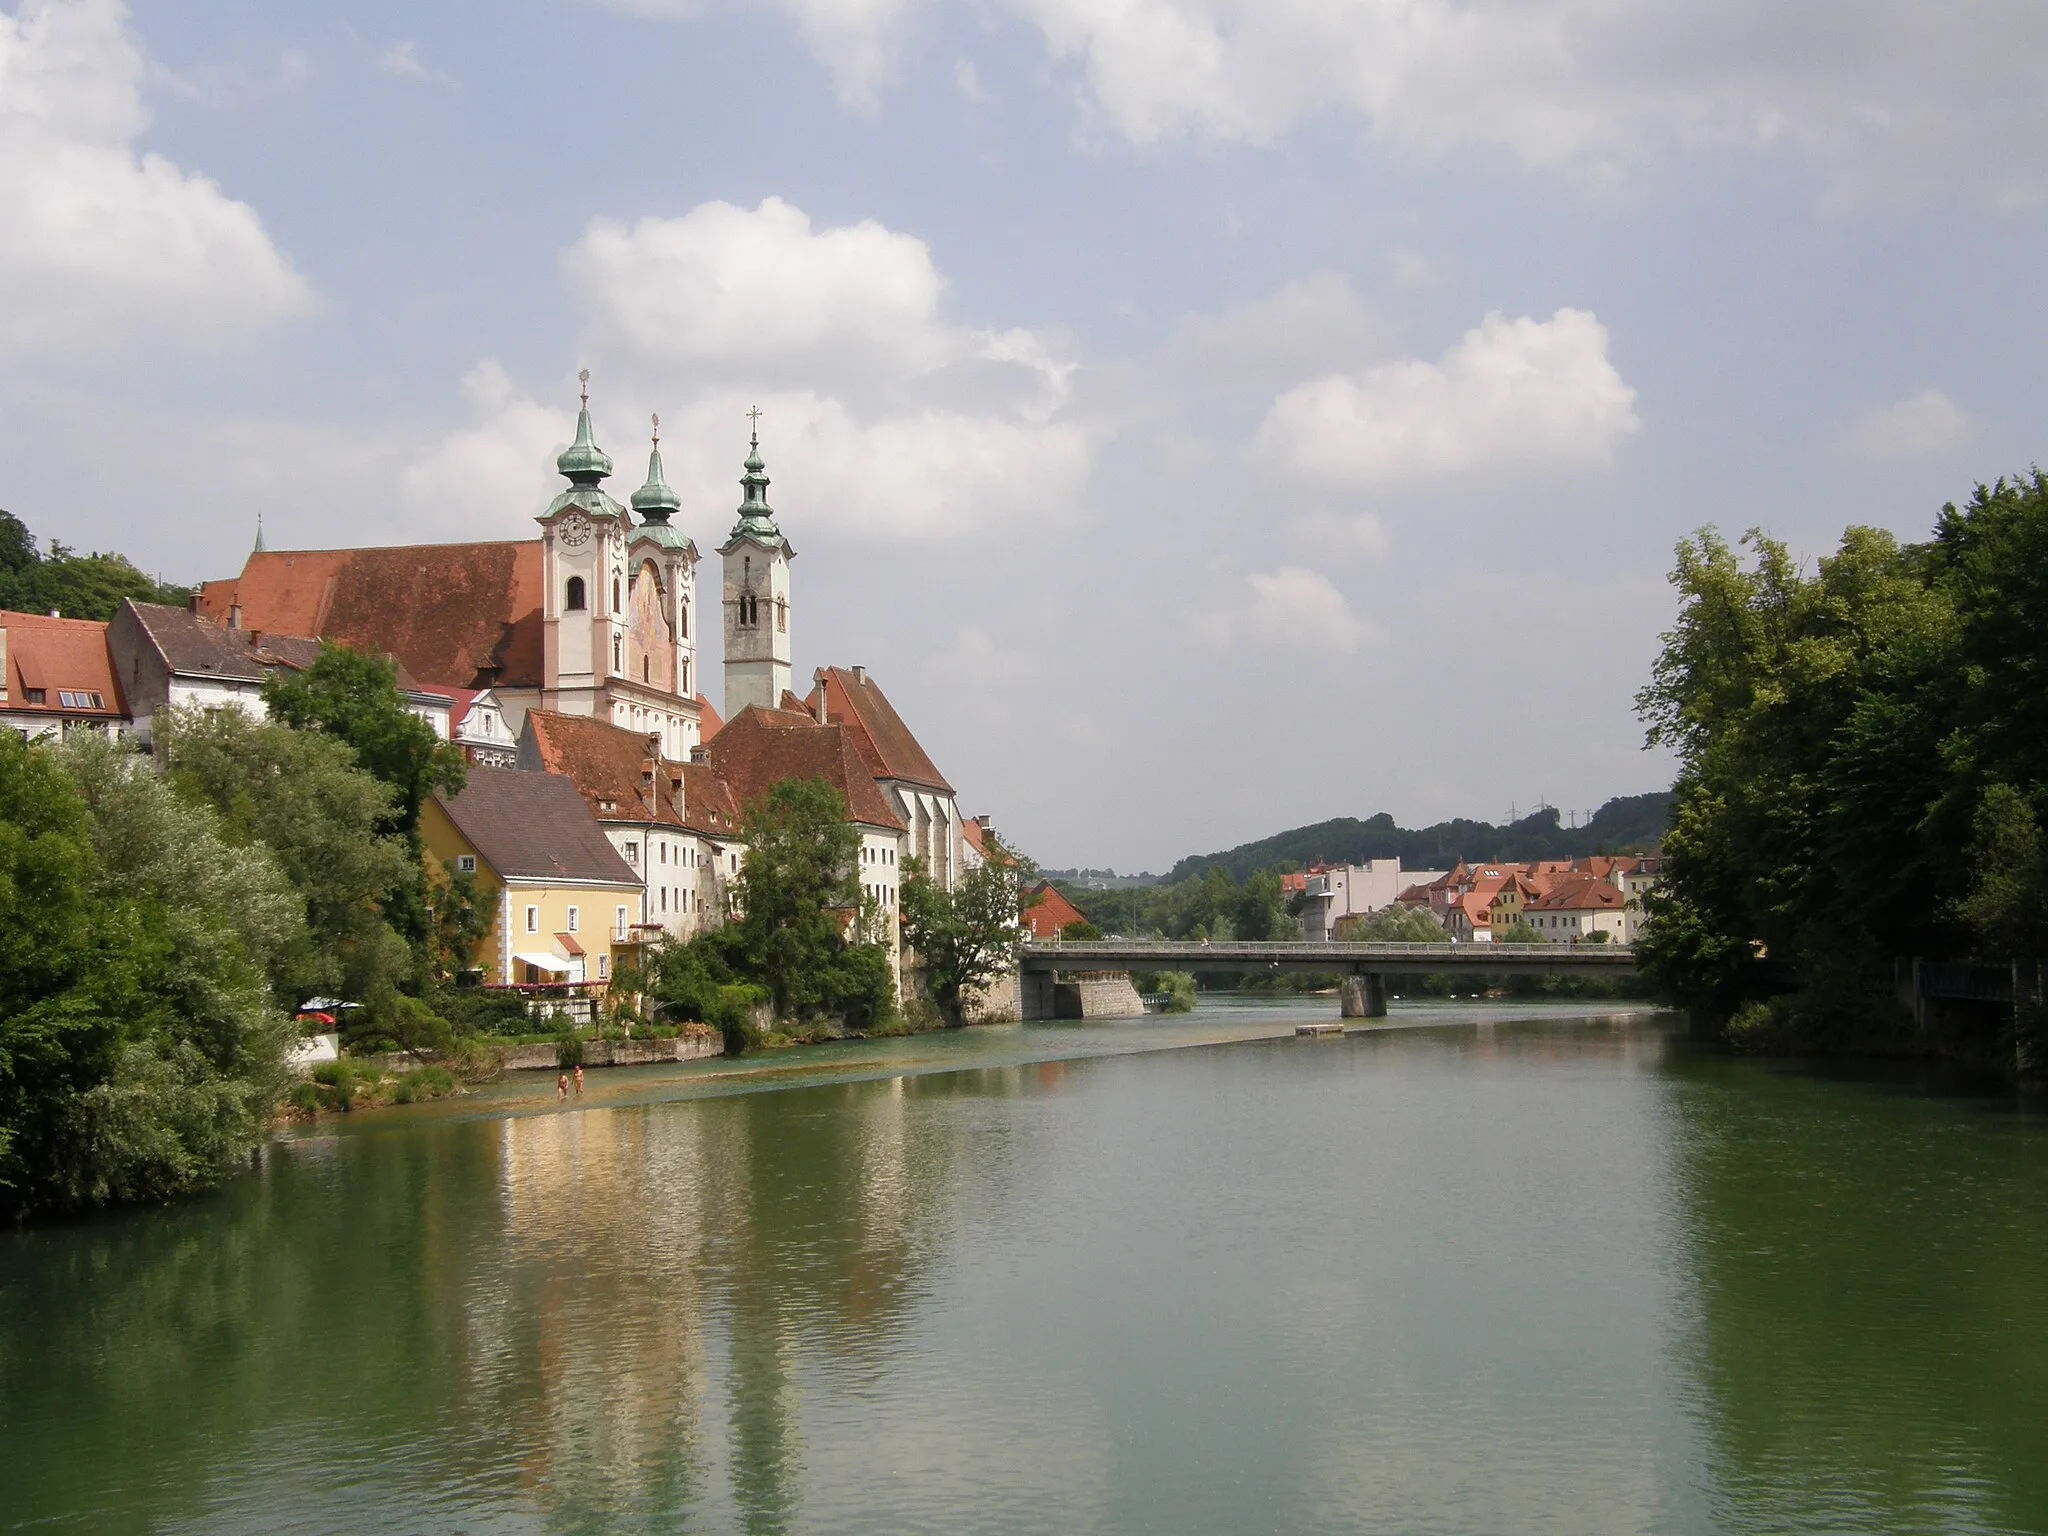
(580, 645)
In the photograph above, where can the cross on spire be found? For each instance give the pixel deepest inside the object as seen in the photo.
(583, 381)
(754, 415)
(657, 428)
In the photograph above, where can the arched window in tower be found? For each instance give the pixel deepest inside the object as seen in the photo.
(683, 620)
(616, 606)
(646, 670)
(618, 654)
(572, 595)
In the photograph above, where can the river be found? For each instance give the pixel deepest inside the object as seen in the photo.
(1520, 1268)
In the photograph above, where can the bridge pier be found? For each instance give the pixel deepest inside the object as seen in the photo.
(1036, 995)
(1363, 997)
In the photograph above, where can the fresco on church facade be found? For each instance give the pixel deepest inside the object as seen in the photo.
(648, 631)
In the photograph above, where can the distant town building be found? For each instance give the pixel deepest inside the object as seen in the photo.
(1332, 892)
(1048, 914)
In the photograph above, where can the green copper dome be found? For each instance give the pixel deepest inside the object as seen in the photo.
(583, 464)
(757, 518)
(655, 501)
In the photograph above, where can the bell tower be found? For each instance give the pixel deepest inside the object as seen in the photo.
(658, 693)
(756, 600)
(583, 566)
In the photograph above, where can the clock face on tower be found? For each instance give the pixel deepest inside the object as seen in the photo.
(573, 530)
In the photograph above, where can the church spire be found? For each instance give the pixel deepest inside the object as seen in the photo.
(756, 517)
(655, 502)
(583, 463)
(259, 533)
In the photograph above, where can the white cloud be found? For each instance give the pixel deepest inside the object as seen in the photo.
(1923, 427)
(1885, 95)
(480, 480)
(1309, 322)
(760, 289)
(1512, 394)
(967, 81)
(402, 60)
(1334, 535)
(100, 248)
(857, 41)
(892, 418)
(1290, 607)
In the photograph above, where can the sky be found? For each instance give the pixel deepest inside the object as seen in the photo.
(1203, 417)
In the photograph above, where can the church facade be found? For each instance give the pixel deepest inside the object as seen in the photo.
(596, 621)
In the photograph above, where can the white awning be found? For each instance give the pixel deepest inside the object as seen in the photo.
(545, 962)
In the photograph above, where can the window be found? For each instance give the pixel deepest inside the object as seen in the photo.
(664, 898)
(32, 695)
(78, 699)
(618, 656)
(465, 863)
(781, 616)
(664, 853)
(619, 921)
(604, 967)
(683, 680)
(572, 595)
(682, 621)
(632, 853)
(646, 673)
(572, 919)
(615, 595)
(533, 919)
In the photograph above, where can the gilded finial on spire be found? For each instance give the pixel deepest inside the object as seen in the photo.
(656, 418)
(583, 382)
(655, 502)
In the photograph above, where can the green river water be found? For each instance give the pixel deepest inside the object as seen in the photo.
(1488, 1269)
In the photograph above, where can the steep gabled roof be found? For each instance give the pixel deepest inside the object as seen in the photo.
(760, 748)
(195, 647)
(609, 765)
(534, 826)
(879, 735)
(1047, 913)
(463, 615)
(58, 655)
(709, 721)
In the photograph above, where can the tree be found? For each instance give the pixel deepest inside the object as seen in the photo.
(1391, 925)
(301, 795)
(1258, 912)
(1519, 932)
(966, 937)
(1863, 768)
(799, 900)
(354, 696)
(77, 586)
(139, 1045)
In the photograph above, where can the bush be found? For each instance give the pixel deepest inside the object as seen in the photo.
(1179, 987)
(423, 1083)
(568, 1049)
(481, 1010)
(730, 1010)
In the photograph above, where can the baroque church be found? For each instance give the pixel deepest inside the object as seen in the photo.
(581, 646)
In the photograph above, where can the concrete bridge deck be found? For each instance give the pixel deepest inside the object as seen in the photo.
(1364, 967)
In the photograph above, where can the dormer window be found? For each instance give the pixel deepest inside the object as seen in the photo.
(572, 595)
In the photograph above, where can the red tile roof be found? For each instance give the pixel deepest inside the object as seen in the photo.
(760, 748)
(971, 833)
(464, 615)
(879, 734)
(620, 779)
(710, 722)
(1588, 893)
(1047, 913)
(59, 656)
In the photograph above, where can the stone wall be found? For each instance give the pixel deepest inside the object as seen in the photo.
(1096, 995)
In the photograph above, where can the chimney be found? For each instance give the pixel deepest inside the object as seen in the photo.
(983, 823)
(860, 674)
(654, 744)
(700, 754)
(234, 615)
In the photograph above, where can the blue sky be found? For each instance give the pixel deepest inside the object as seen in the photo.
(1204, 416)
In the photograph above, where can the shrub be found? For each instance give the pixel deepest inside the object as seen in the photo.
(568, 1048)
(423, 1083)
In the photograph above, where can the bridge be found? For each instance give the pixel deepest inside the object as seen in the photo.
(1363, 968)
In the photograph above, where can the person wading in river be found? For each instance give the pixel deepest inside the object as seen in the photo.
(579, 1079)
(561, 1085)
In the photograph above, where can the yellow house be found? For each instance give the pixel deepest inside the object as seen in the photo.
(567, 907)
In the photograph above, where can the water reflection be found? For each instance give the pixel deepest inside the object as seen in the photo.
(1869, 1344)
(1527, 1273)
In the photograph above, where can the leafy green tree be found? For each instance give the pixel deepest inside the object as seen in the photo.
(1258, 911)
(798, 894)
(139, 1046)
(1391, 925)
(354, 696)
(1517, 932)
(301, 795)
(966, 937)
(77, 586)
